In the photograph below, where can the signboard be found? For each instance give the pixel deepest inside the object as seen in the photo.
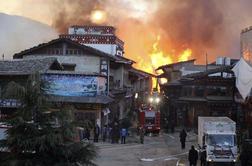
(74, 85)
(9, 103)
(104, 67)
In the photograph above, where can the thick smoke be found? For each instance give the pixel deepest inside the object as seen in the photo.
(69, 12)
(195, 24)
(206, 26)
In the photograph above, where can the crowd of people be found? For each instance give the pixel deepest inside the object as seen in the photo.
(108, 133)
(193, 153)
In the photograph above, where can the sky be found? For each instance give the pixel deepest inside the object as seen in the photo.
(205, 26)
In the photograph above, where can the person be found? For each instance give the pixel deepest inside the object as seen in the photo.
(117, 133)
(123, 134)
(87, 133)
(244, 157)
(182, 136)
(141, 133)
(109, 133)
(172, 126)
(193, 156)
(104, 133)
(203, 157)
(81, 133)
(96, 133)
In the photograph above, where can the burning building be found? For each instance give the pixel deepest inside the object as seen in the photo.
(102, 38)
(198, 90)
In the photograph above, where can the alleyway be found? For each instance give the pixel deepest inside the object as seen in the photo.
(162, 150)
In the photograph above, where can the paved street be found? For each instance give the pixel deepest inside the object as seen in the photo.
(162, 150)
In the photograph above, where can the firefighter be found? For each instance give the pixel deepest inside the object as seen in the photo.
(142, 135)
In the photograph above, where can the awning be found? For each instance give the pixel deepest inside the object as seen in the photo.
(82, 99)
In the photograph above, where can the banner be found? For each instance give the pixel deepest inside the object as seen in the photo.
(74, 85)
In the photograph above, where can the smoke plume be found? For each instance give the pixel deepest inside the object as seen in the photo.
(69, 12)
(205, 26)
(196, 24)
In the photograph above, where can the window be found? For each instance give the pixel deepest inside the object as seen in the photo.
(149, 121)
(199, 91)
(221, 140)
(69, 67)
(83, 116)
(217, 91)
(73, 52)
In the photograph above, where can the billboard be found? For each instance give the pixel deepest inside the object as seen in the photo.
(74, 85)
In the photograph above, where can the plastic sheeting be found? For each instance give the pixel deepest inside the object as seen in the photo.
(243, 74)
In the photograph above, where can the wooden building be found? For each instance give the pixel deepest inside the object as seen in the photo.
(18, 71)
(205, 93)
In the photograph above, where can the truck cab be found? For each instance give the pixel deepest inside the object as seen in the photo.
(217, 136)
(220, 147)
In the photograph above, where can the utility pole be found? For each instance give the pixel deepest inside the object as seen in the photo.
(3, 57)
(206, 62)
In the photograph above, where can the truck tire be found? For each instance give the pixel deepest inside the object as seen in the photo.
(208, 164)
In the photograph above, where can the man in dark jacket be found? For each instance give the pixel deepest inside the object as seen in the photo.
(182, 136)
(96, 133)
(203, 157)
(141, 134)
(193, 156)
(244, 157)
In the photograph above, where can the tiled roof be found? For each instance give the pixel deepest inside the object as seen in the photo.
(74, 73)
(26, 67)
(174, 64)
(210, 71)
(200, 68)
(123, 59)
(84, 47)
(87, 48)
(141, 72)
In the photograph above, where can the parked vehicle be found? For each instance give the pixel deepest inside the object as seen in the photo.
(217, 136)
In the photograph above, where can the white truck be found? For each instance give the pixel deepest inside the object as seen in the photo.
(217, 137)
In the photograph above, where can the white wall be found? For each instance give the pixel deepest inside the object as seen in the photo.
(107, 48)
(84, 63)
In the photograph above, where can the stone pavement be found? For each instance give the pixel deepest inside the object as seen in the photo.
(162, 150)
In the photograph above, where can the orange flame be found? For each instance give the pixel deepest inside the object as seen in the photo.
(185, 55)
(159, 58)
